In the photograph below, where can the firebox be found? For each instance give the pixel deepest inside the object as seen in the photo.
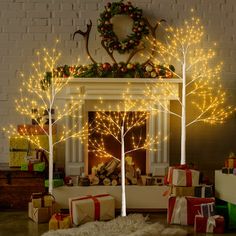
(77, 156)
(112, 147)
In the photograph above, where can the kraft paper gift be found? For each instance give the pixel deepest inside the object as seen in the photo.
(185, 177)
(91, 208)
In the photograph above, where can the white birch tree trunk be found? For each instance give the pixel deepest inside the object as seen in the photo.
(183, 117)
(123, 196)
(50, 161)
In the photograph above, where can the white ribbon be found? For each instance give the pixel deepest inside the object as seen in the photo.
(211, 223)
(179, 215)
(203, 190)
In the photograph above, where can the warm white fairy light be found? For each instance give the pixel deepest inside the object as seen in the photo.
(116, 122)
(201, 86)
(40, 92)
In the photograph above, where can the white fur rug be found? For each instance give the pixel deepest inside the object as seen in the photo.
(131, 225)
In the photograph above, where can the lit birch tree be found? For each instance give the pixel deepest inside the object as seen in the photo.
(117, 123)
(39, 92)
(201, 87)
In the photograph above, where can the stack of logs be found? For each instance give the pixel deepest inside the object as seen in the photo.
(110, 174)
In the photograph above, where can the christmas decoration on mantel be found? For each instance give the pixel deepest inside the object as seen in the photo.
(202, 92)
(39, 93)
(131, 45)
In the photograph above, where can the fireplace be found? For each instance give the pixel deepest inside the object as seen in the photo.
(77, 157)
(113, 147)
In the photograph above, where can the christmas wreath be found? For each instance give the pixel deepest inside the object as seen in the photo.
(105, 27)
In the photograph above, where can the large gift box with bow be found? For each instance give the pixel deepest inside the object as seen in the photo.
(182, 210)
(213, 224)
(182, 175)
(90, 208)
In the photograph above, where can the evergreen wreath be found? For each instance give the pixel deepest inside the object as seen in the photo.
(105, 27)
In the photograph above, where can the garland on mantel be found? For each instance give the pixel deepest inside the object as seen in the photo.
(120, 70)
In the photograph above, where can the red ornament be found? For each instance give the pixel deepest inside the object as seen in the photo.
(106, 66)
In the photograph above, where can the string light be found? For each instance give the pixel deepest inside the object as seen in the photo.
(201, 87)
(39, 92)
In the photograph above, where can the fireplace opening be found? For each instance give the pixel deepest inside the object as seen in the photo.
(135, 160)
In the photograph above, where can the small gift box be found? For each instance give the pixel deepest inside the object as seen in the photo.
(39, 215)
(56, 183)
(42, 200)
(182, 210)
(183, 176)
(214, 224)
(90, 208)
(231, 161)
(60, 221)
(207, 209)
(203, 191)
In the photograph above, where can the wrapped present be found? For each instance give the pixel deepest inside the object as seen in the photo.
(182, 176)
(185, 177)
(182, 191)
(17, 158)
(226, 170)
(90, 208)
(39, 215)
(203, 191)
(56, 183)
(40, 167)
(207, 209)
(230, 162)
(232, 215)
(42, 200)
(182, 210)
(214, 224)
(59, 221)
(35, 129)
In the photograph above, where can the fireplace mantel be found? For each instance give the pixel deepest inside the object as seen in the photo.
(111, 90)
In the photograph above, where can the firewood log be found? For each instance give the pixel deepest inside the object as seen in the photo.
(111, 166)
(114, 182)
(107, 182)
(95, 180)
(134, 181)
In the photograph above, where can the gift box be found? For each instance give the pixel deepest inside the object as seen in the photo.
(39, 215)
(182, 191)
(214, 224)
(42, 200)
(185, 177)
(207, 209)
(182, 210)
(230, 162)
(56, 183)
(59, 221)
(203, 191)
(232, 215)
(17, 158)
(226, 170)
(90, 208)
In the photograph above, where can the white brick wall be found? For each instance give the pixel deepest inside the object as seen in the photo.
(27, 25)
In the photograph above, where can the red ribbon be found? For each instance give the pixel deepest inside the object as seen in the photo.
(96, 204)
(188, 177)
(180, 167)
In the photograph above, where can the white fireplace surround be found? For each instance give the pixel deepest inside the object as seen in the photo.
(111, 90)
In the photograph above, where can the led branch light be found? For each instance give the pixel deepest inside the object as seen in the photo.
(39, 92)
(201, 88)
(116, 122)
